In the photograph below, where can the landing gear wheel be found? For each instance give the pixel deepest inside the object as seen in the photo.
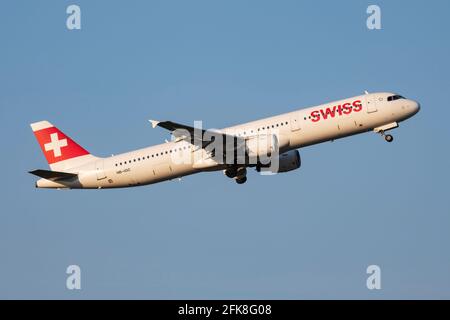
(241, 180)
(389, 138)
(241, 172)
(230, 173)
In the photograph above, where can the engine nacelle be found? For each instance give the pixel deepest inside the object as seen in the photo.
(287, 161)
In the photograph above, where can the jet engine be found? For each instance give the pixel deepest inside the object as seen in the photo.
(287, 161)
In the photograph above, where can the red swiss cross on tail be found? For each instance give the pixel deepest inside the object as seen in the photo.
(55, 145)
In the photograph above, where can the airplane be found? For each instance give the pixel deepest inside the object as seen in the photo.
(257, 144)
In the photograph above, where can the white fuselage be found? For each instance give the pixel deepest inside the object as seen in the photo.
(297, 129)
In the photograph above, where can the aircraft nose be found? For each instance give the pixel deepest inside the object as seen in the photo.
(415, 107)
(411, 107)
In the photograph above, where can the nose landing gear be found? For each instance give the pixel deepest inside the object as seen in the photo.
(387, 137)
(381, 130)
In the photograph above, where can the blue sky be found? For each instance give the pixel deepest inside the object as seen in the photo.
(307, 234)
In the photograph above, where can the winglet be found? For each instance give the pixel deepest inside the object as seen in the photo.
(154, 123)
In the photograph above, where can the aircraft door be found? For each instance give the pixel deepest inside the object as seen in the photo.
(100, 170)
(162, 171)
(295, 122)
(371, 104)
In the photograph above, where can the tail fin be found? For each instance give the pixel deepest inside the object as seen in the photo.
(61, 152)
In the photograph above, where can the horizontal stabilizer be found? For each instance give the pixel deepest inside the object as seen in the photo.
(53, 175)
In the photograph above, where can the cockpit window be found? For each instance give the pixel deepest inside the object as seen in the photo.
(396, 97)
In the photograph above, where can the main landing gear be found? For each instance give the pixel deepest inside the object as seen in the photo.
(238, 174)
(241, 175)
(241, 180)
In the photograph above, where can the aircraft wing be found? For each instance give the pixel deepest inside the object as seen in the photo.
(197, 136)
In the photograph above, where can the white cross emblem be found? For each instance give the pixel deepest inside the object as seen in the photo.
(55, 145)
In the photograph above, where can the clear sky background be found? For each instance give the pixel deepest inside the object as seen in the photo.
(310, 233)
